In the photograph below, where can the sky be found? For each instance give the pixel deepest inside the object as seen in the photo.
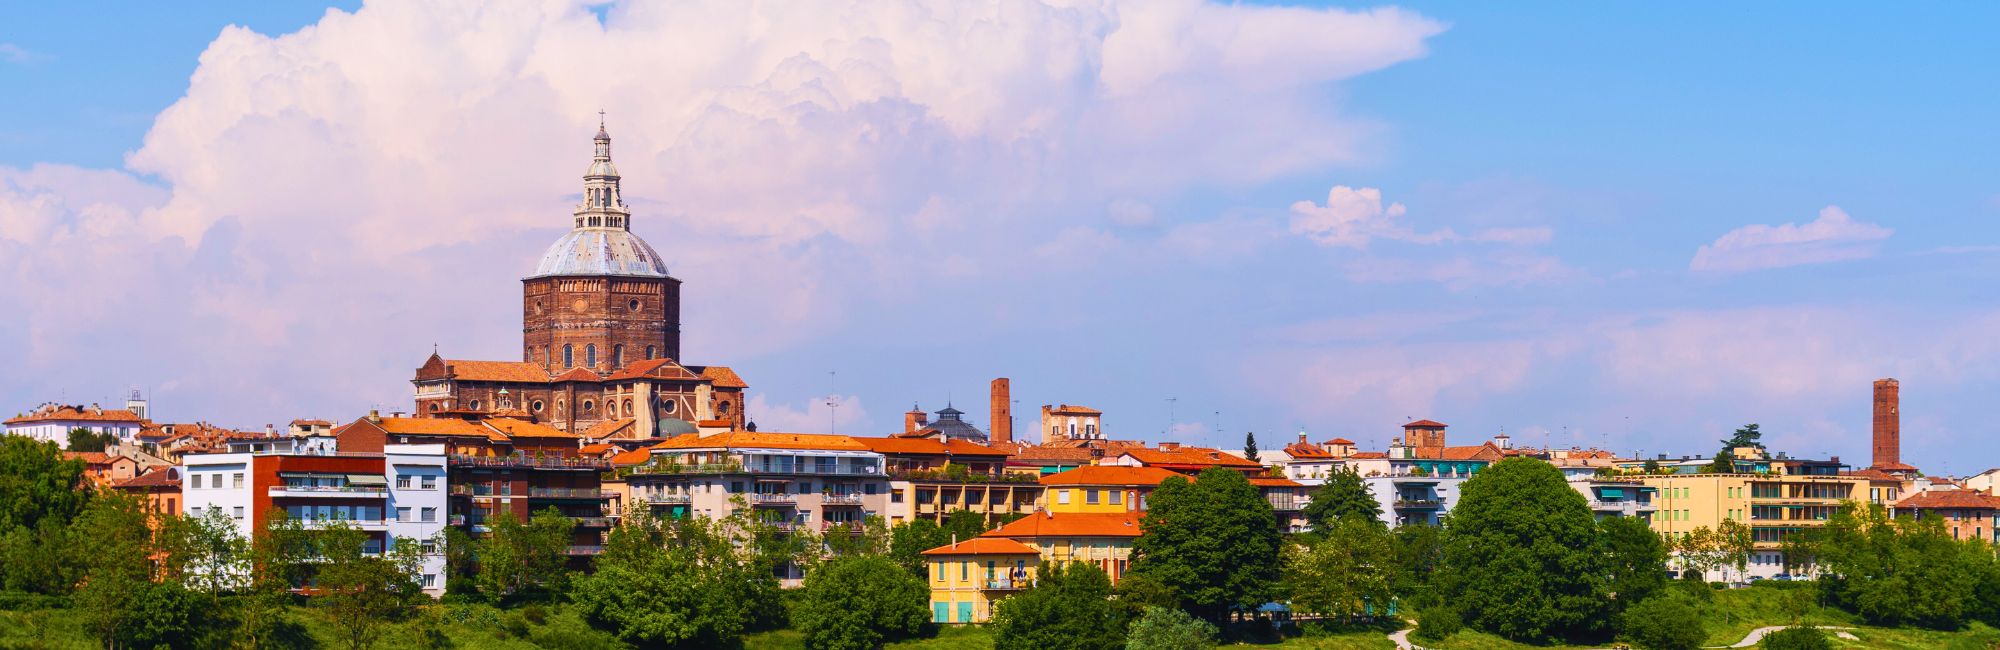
(1635, 227)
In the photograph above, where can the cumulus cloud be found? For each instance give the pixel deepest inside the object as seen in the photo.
(333, 200)
(1833, 237)
(844, 413)
(1351, 218)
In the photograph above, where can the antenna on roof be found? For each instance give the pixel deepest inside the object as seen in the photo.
(1170, 417)
(831, 402)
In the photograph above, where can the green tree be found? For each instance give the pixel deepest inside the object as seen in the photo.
(81, 439)
(1343, 572)
(218, 557)
(1162, 628)
(1664, 622)
(860, 601)
(1799, 637)
(118, 548)
(1635, 559)
(687, 582)
(1250, 445)
(1069, 608)
(1733, 543)
(523, 560)
(1725, 459)
(359, 591)
(1419, 553)
(280, 561)
(1342, 496)
(963, 524)
(1520, 552)
(909, 540)
(1897, 571)
(1213, 541)
(37, 483)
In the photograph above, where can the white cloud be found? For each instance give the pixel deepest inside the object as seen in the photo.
(12, 53)
(1129, 212)
(843, 412)
(329, 209)
(1351, 218)
(1833, 237)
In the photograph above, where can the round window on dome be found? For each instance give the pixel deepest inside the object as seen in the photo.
(634, 305)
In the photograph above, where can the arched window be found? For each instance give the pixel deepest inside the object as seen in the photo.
(618, 356)
(722, 408)
(628, 407)
(434, 407)
(474, 405)
(569, 356)
(590, 355)
(667, 407)
(589, 406)
(535, 406)
(649, 353)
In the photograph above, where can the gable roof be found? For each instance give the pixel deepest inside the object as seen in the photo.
(1043, 523)
(662, 368)
(1189, 457)
(76, 414)
(525, 429)
(764, 440)
(1110, 475)
(510, 371)
(1956, 499)
(432, 427)
(162, 477)
(984, 546)
(932, 446)
(723, 376)
(1425, 424)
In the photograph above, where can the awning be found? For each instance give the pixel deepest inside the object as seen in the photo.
(367, 479)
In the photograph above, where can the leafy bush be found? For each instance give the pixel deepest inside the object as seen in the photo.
(1796, 638)
(1162, 628)
(1438, 622)
(1663, 623)
(858, 602)
(1069, 608)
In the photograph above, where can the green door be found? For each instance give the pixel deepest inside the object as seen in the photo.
(965, 612)
(938, 612)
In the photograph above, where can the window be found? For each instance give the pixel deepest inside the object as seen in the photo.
(194, 510)
(196, 484)
(1062, 497)
(589, 406)
(402, 513)
(895, 496)
(236, 481)
(430, 482)
(590, 355)
(428, 547)
(403, 482)
(475, 405)
(1090, 497)
(940, 571)
(236, 512)
(618, 356)
(430, 580)
(430, 515)
(722, 408)
(1117, 497)
(569, 356)
(536, 406)
(964, 571)
(649, 352)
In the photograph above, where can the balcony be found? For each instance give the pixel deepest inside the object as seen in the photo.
(1005, 583)
(531, 462)
(583, 550)
(330, 491)
(849, 527)
(1620, 505)
(457, 520)
(465, 490)
(772, 499)
(587, 494)
(358, 524)
(853, 499)
(593, 522)
(662, 498)
(1419, 504)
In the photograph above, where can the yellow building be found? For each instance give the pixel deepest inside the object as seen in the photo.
(1774, 506)
(969, 576)
(1101, 489)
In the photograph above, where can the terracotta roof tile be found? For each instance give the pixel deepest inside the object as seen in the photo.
(77, 414)
(1072, 408)
(607, 428)
(524, 429)
(723, 376)
(162, 477)
(1190, 456)
(1110, 475)
(434, 427)
(1425, 424)
(577, 374)
(510, 371)
(927, 446)
(632, 458)
(1039, 452)
(90, 457)
(1069, 524)
(1953, 499)
(759, 439)
(1274, 481)
(984, 546)
(1340, 441)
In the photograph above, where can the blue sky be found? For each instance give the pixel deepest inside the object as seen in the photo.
(294, 239)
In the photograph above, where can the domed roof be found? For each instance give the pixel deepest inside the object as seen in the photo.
(601, 251)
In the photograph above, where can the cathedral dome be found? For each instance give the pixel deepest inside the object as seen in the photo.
(601, 251)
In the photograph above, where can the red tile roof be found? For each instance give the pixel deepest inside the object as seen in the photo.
(508, 371)
(1340, 441)
(1070, 524)
(1274, 481)
(1190, 457)
(77, 414)
(162, 477)
(434, 427)
(638, 456)
(607, 428)
(525, 429)
(1110, 475)
(723, 376)
(984, 546)
(1425, 424)
(1950, 499)
(759, 439)
(1072, 408)
(577, 374)
(1065, 455)
(928, 446)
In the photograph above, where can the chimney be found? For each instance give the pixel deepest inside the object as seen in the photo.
(915, 419)
(375, 416)
(1888, 424)
(270, 430)
(1169, 446)
(1003, 411)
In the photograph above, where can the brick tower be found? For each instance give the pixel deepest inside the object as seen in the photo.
(1001, 408)
(1888, 438)
(601, 297)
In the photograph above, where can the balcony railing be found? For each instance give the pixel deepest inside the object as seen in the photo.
(1008, 583)
(592, 494)
(474, 490)
(544, 462)
(593, 522)
(362, 524)
(850, 527)
(1626, 505)
(583, 550)
(936, 476)
(852, 499)
(772, 499)
(348, 491)
(675, 469)
(1419, 503)
(665, 498)
(457, 520)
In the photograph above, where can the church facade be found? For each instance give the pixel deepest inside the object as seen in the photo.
(600, 339)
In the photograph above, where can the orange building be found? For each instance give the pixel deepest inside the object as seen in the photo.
(1968, 514)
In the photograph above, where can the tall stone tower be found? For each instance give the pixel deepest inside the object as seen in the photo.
(601, 297)
(1889, 427)
(1001, 408)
